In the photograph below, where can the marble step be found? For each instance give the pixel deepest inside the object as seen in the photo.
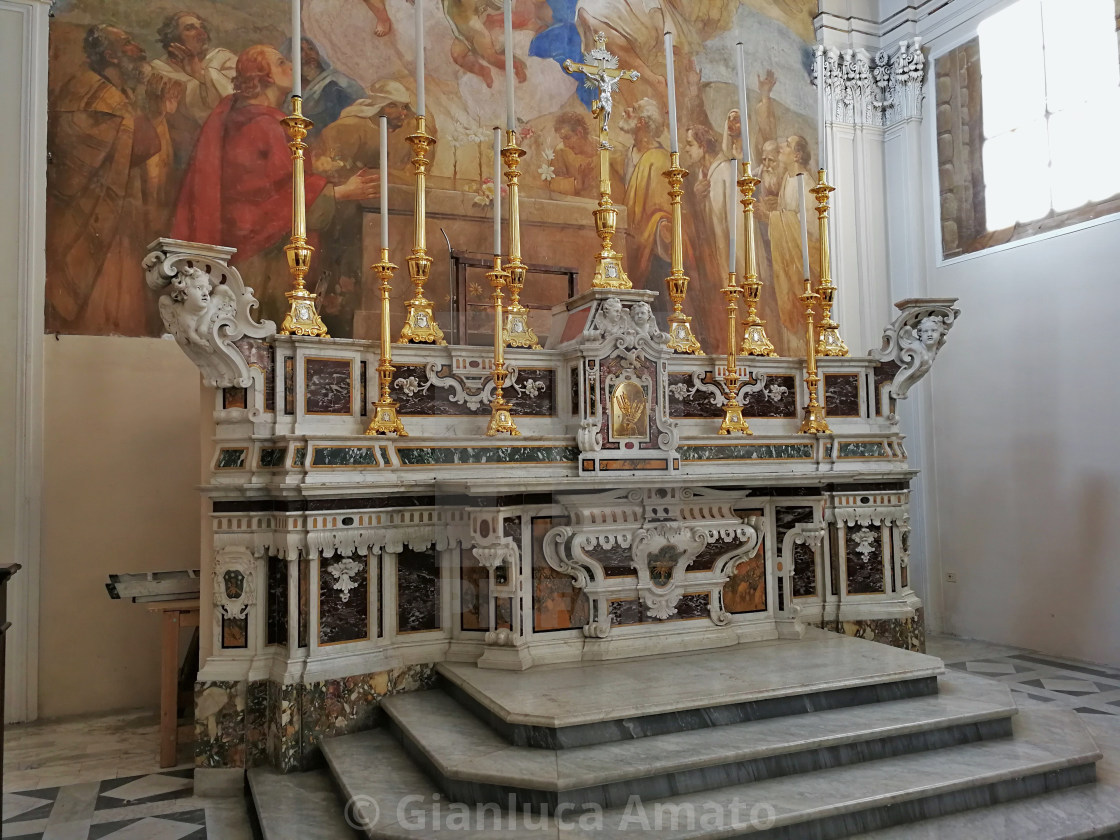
(577, 704)
(472, 763)
(1051, 750)
(298, 806)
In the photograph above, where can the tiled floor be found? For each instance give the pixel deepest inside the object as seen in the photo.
(99, 778)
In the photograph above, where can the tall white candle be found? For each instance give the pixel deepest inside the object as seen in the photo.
(670, 80)
(420, 57)
(744, 129)
(823, 134)
(297, 51)
(804, 231)
(497, 192)
(732, 220)
(511, 116)
(384, 182)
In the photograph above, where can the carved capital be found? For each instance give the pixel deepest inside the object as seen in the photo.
(861, 89)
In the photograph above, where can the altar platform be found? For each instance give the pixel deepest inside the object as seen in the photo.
(881, 738)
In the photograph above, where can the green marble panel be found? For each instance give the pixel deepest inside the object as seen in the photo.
(423, 456)
(749, 452)
(863, 449)
(271, 458)
(231, 459)
(344, 456)
(299, 459)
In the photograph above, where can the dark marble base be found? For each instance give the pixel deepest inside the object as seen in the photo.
(252, 724)
(904, 633)
(625, 729)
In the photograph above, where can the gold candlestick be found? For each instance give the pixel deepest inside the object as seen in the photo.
(302, 318)
(517, 333)
(755, 340)
(681, 339)
(501, 420)
(420, 324)
(814, 422)
(385, 420)
(733, 421)
(829, 343)
(600, 70)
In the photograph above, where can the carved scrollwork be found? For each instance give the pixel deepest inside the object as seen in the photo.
(914, 338)
(235, 587)
(661, 556)
(206, 306)
(861, 89)
(627, 328)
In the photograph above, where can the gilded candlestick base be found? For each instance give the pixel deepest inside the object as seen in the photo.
(420, 325)
(681, 339)
(302, 318)
(756, 342)
(501, 420)
(830, 343)
(517, 332)
(385, 419)
(501, 417)
(609, 273)
(814, 422)
(733, 422)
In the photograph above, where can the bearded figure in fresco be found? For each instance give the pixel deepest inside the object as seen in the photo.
(205, 72)
(104, 127)
(327, 91)
(238, 189)
(785, 242)
(649, 216)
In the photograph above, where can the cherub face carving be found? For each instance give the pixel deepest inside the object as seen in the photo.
(929, 330)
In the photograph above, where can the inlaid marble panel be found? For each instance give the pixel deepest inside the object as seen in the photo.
(905, 633)
(573, 375)
(235, 633)
(691, 606)
(804, 571)
(328, 386)
(276, 602)
(862, 449)
(344, 456)
(864, 560)
(289, 385)
(304, 606)
(343, 599)
(531, 395)
(256, 723)
(503, 613)
(841, 395)
(884, 375)
(786, 518)
(272, 457)
(617, 561)
(748, 452)
(418, 585)
(219, 723)
(745, 590)
(235, 397)
(363, 387)
(231, 459)
(474, 592)
(557, 603)
(777, 398)
(415, 456)
(683, 403)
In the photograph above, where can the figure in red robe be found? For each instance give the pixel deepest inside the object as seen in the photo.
(238, 188)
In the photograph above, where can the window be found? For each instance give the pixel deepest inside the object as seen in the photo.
(1051, 91)
(1027, 120)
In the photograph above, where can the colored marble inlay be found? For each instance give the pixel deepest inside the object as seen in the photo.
(864, 560)
(804, 571)
(692, 605)
(787, 518)
(904, 633)
(303, 609)
(344, 456)
(219, 724)
(363, 388)
(884, 376)
(289, 385)
(745, 590)
(418, 602)
(416, 456)
(686, 402)
(574, 374)
(841, 395)
(231, 459)
(235, 397)
(235, 633)
(776, 398)
(617, 561)
(557, 603)
(328, 387)
(711, 552)
(256, 723)
(863, 449)
(532, 394)
(299, 457)
(474, 592)
(343, 598)
(272, 457)
(748, 452)
(276, 602)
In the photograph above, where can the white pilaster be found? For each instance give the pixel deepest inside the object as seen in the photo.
(23, 101)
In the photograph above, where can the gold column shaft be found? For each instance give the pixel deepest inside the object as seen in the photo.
(755, 340)
(385, 420)
(609, 273)
(814, 422)
(733, 421)
(501, 418)
(681, 338)
(302, 318)
(420, 323)
(829, 343)
(517, 332)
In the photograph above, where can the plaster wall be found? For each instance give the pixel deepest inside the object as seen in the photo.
(120, 494)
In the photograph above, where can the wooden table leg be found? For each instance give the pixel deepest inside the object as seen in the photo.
(169, 690)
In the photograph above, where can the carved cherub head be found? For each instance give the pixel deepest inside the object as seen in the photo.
(191, 287)
(929, 330)
(612, 309)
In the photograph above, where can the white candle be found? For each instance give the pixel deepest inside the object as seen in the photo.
(670, 81)
(420, 57)
(385, 182)
(297, 51)
(511, 117)
(821, 109)
(804, 232)
(744, 131)
(732, 219)
(497, 192)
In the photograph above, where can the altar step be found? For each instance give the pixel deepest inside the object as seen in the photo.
(820, 738)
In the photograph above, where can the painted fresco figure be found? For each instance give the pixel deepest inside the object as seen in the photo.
(238, 189)
(384, 24)
(785, 243)
(576, 161)
(327, 91)
(103, 131)
(205, 72)
(649, 216)
(474, 23)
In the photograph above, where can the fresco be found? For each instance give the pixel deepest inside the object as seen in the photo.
(163, 120)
